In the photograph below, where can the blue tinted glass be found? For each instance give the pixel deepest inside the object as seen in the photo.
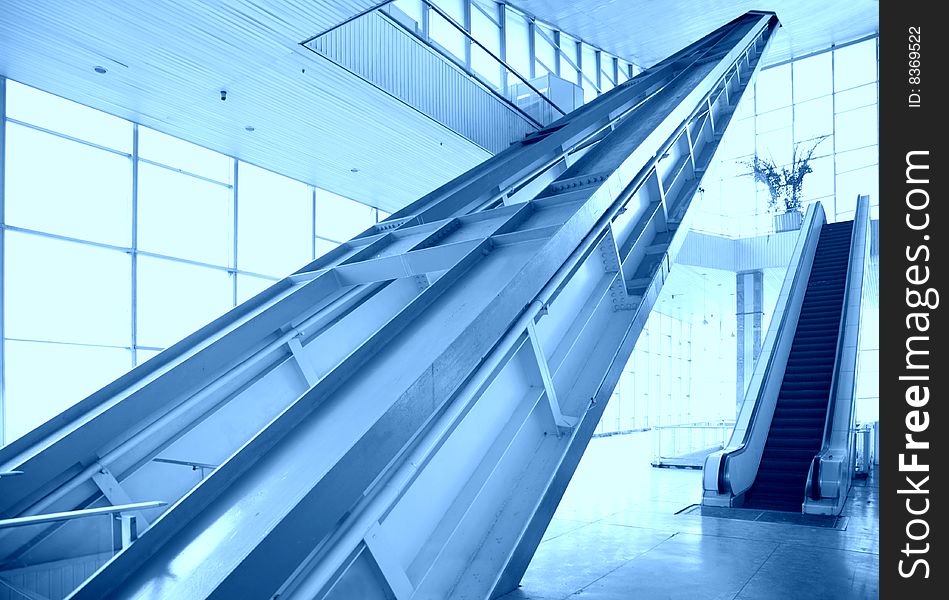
(813, 119)
(57, 114)
(175, 299)
(183, 155)
(65, 291)
(324, 246)
(64, 187)
(812, 77)
(275, 222)
(444, 33)
(856, 128)
(184, 216)
(488, 33)
(773, 89)
(855, 65)
(249, 286)
(339, 218)
(42, 380)
(545, 53)
(517, 38)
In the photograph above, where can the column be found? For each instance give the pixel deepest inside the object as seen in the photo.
(749, 292)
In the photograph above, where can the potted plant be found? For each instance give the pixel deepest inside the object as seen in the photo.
(785, 185)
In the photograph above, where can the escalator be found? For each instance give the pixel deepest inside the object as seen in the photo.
(792, 446)
(400, 417)
(797, 427)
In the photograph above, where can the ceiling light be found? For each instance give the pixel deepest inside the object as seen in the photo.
(100, 70)
(249, 128)
(354, 170)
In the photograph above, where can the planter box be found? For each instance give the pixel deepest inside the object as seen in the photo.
(789, 221)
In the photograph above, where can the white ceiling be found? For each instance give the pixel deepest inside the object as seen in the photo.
(167, 61)
(647, 31)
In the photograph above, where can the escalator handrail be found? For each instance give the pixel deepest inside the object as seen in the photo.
(798, 280)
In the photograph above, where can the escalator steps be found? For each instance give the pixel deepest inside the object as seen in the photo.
(798, 424)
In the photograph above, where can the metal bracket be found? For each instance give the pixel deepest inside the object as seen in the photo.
(559, 419)
(113, 490)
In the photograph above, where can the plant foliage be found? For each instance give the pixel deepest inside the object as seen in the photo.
(786, 184)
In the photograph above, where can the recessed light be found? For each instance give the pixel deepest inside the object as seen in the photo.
(354, 170)
(100, 70)
(249, 128)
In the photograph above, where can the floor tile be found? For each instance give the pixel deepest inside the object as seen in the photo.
(795, 572)
(685, 566)
(577, 558)
(617, 535)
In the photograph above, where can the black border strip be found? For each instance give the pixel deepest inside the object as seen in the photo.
(913, 266)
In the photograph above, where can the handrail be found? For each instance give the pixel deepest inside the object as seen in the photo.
(815, 492)
(796, 282)
(79, 514)
(700, 426)
(698, 109)
(657, 71)
(468, 35)
(443, 54)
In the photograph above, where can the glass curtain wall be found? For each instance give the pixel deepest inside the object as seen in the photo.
(119, 240)
(529, 46)
(827, 100)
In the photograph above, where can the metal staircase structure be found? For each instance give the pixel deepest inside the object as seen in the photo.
(400, 418)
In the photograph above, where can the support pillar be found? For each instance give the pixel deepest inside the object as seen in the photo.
(749, 301)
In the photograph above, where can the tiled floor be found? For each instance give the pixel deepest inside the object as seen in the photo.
(616, 537)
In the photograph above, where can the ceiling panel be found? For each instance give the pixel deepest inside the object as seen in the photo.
(646, 31)
(168, 60)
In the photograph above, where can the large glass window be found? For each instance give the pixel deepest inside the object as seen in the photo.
(517, 42)
(69, 118)
(183, 216)
(812, 77)
(249, 286)
(588, 81)
(774, 88)
(856, 128)
(182, 155)
(65, 291)
(607, 72)
(56, 185)
(855, 65)
(814, 118)
(444, 33)
(834, 106)
(412, 8)
(74, 273)
(339, 219)
(486, 29)
(274, 222)
(43, 379)
(545, 53)
(175, 299)
(569, 56)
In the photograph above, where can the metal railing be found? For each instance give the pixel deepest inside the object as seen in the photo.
(687, 444)
(524, 96)
(863, 449)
